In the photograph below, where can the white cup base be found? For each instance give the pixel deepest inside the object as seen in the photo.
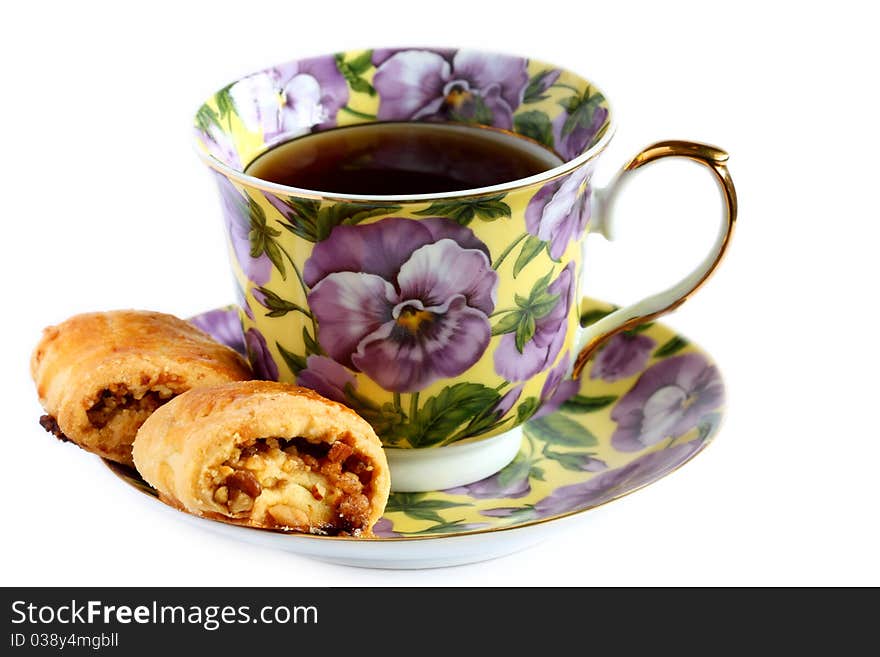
(422, 470)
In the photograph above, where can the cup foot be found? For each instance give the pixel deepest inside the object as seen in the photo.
(422, 470)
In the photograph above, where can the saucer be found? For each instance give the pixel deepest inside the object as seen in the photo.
(644, 406)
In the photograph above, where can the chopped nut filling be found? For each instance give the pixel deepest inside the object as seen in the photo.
(297, 484)
(118, 399)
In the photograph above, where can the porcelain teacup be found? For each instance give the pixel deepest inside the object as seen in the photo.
(447, 319)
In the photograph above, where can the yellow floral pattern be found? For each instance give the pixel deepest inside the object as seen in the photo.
(464, 360)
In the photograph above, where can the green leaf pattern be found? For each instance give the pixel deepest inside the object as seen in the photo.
(312, 221)
(531, 248)
(463, 211)
(441, 415)
(353, 70)
(522, 320)
(263, 237)
(535, 125)
(672, 346)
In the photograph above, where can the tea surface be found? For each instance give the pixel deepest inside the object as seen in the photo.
(402, 158)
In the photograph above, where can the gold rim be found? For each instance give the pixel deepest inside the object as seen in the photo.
(542, 178)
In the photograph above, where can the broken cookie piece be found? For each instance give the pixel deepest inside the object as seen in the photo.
(266, 454)
(100, 375)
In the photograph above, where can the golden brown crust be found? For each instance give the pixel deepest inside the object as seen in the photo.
(99, 374)
(184, 448)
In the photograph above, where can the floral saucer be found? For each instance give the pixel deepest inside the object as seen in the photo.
(646, 404)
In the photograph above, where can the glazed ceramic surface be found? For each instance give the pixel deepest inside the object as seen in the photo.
(440, 319)
(647, 403)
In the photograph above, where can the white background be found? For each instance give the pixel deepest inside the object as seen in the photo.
(105, 205)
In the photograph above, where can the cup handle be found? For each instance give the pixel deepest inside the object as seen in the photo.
(594, 336)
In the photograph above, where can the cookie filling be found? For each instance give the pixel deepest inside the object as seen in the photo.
(50, 424)
(294, 483)
(127, 409)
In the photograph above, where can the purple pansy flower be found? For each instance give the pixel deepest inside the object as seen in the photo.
(238, 226)
(581, 137)
(668, 400)
(539, 352)
(624, 355)
(326, 377)
(614, 483)
(508, 399)
(461, 85)
(405, 301)
(384, 528)
(382, 55)
(291, 99)
(263, 366)
(558, 388)
(219, 144)
(560, 211)
(510, 482)
(223, 325)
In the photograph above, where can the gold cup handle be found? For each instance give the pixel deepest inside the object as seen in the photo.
(624, 319)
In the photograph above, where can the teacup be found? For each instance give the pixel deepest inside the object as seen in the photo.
(449, 319)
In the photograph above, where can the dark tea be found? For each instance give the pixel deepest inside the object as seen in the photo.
(402, 158)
